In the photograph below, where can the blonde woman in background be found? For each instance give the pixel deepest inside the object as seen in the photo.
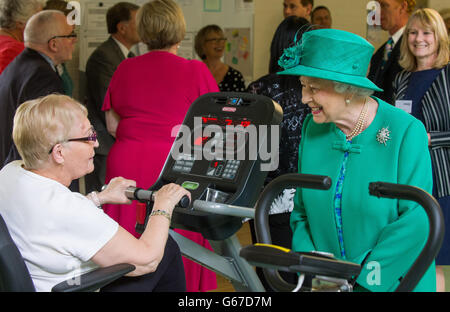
(422, 90)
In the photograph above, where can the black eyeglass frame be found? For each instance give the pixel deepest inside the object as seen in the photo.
(71, 35)
(91, 138)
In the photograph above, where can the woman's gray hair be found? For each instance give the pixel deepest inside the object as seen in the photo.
(341, 88)
(13, 11)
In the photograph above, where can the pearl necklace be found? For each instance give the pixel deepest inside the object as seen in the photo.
(360, 123)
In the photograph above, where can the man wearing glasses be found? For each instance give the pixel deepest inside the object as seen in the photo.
(49, 41)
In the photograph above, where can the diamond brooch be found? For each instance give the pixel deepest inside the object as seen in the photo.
(383, 135)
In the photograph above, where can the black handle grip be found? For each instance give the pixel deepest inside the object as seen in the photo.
(275, 187)
(436, 223)
(184, 202)
(136, 193)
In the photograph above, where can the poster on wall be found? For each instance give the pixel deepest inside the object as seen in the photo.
(238, 50)
(93, 29)
(95, 16)
(243, 6)
(212, 5)
(186, 49)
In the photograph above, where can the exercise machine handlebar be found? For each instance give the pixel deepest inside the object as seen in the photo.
(436, 224)
(136, 193)
(273, 189)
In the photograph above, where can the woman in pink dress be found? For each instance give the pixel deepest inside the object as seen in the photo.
(147, 97)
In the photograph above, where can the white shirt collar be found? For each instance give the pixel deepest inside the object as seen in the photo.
(395, 37)
(123, 48)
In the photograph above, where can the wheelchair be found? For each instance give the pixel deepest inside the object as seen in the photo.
(15, 277)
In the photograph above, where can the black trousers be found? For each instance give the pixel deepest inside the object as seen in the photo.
(168, 277)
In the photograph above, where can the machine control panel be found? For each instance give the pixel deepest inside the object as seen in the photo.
(220, 128)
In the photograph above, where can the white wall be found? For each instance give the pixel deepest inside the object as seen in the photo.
(349, 15)
(268, 14)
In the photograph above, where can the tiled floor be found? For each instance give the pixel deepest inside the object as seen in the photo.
(447, 277)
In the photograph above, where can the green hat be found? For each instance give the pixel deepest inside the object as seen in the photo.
(330, 54)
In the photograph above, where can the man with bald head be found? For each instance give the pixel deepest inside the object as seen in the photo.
(49, 40)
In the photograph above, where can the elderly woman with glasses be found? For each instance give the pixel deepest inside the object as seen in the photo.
(210, 46)
(62, 234)
(147, 99)
(355, 139)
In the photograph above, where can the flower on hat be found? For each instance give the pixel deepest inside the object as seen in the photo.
(291, 56)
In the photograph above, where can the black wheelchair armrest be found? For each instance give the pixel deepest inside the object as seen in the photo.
(94, 280)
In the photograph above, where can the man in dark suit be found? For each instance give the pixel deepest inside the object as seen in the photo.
(49, 41)
(384, 64)
(100, 67)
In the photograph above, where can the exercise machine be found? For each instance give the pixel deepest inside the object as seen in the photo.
(220, 155)
(226, 141)
(337, 276)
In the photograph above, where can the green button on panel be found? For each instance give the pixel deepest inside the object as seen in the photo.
(190, 185)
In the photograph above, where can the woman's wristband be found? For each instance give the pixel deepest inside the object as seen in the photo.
(161, 213)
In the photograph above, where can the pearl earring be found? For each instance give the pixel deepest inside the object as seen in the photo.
(347, 101)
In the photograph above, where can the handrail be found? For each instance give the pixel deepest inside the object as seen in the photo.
(273, 189)
(379, 189)
(436, 224)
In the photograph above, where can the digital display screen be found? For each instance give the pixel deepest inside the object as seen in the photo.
(201, 140)
(224, 138)
(226, 121)
(221, 139)
(225, 169)
(216, 168)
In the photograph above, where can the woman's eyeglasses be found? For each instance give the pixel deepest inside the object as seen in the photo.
(216, 40)
(71, 35)
(91, 138)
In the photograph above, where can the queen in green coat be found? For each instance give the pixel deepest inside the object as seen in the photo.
(356, 139)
